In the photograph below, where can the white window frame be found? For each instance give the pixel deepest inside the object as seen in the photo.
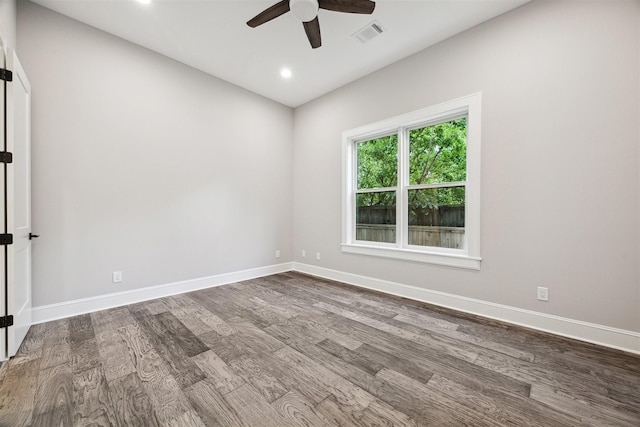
(468, 257)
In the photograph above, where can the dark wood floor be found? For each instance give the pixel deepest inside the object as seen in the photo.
(292, 350)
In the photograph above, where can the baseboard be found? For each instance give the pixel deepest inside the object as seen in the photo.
(597, 334)
(619, 339)
(62, 310)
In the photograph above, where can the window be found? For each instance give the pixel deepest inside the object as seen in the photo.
(412, 186)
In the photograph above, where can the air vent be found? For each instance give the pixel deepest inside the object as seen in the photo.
(373, 29)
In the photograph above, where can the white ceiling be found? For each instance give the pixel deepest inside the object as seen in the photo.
(212, 36)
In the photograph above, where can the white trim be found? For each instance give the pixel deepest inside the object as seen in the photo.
(62, 310)
(437, 258)
(606, 336)
(468, 257)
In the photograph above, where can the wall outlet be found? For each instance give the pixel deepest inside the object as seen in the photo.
(304, 253)
(117, 276)
(543, 294)
(318, 256)
(277, 253)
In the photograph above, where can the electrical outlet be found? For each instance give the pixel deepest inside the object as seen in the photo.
(318, 256)
(278, 253)
(304, 253)
(543, 294)
(117, 276)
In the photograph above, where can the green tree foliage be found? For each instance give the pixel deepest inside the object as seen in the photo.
(437, 154)
(378, 168)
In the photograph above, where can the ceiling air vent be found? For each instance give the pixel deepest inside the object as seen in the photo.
(372, 30)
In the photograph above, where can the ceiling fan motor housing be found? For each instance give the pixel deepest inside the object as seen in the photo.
(304, 10)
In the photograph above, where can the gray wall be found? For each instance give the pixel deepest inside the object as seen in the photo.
(8, 22)
(560, 159)
(144, 165)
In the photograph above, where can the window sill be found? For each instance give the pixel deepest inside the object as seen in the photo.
(448, 260)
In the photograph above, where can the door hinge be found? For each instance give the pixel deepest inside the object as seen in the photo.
(6, 321)
(6, 75)
(6, 157)
(6, 239)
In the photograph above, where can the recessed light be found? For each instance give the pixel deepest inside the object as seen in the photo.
(286, 73)
(145, 1)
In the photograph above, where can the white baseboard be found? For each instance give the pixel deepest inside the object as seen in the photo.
(590, 332)
(597, 334)
(62, 310)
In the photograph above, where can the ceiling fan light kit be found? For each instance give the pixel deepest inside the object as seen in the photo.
(306, 11)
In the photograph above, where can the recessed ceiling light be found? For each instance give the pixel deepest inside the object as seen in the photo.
(145, 1)
(286, 73)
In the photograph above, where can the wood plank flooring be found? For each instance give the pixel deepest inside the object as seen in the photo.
(294, 350)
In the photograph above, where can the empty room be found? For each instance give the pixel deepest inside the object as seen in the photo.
(320, 213)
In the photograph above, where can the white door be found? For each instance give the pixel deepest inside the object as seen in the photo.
(17, 177)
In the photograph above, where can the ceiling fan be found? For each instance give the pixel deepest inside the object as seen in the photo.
(307, 12)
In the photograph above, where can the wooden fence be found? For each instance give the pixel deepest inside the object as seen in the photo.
(440, 216)
(442, 237)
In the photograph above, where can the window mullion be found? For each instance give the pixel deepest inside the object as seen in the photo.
(403, 179)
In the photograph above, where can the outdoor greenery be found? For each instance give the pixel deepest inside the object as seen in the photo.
(437, 154)
(378, 163)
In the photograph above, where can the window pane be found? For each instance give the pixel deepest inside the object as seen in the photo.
(436, 217)
(438, 153)
(376, 217)
(378, 162)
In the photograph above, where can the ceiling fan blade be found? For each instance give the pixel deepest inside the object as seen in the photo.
(312, 28)
(267, 15)
(348, 6)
